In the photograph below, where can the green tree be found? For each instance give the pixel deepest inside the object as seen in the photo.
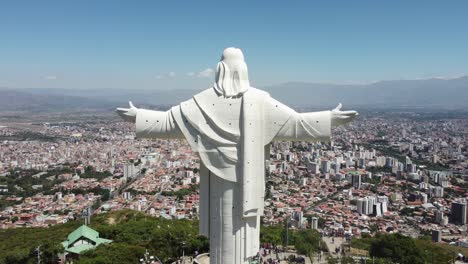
(17, 256)
(307, 242)
(112, 253)
(347, 260)
(271, 234)
(382, 261)
(398, 248)
(431, 252)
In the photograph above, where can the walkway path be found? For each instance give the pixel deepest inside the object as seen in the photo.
(333, 245)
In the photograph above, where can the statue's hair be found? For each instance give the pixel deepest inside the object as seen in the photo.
(232, 78)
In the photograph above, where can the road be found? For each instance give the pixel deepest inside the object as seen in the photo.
(333, 245)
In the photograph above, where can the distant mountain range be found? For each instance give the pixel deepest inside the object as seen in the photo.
(428, 93)
(34, 101)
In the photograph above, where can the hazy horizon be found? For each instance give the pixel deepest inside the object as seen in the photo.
(209, 83)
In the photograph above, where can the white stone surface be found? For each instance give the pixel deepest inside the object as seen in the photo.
(230, 125)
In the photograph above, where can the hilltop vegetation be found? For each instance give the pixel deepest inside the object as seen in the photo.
(306, 241)
(132, 233)
(396, 248)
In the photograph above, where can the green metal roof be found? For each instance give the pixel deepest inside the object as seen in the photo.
(85, 232)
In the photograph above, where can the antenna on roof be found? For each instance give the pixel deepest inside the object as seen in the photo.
(86, 214)
(89, 214)
(39, 253)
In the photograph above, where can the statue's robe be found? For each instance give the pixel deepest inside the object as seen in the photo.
(231, 135)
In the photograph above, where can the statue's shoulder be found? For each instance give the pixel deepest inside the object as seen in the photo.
(209, 93)
(252, 91)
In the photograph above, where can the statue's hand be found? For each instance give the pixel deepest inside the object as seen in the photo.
(342, 117)
(128, 114)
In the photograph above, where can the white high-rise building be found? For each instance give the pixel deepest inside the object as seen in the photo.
(271, 168)
(439, 216)
(423, 185)
(360, 205)
(436, 236)
(444, 183)
(356, 181)
(339, 177)
(384, 208)
(437, 191)
(325, 166)
(423, 197)
(313, 168)
(363, 206)
(127, 196)
(372, 200)
(129, 171)
(377, 209)
(380, 161)
(408, 160)
(284, 166)
(314, 223)
(459, 212)
(382, 199)
(338, 161)
(299, 217)
(389, 162)
(411, 168)
(361, 162)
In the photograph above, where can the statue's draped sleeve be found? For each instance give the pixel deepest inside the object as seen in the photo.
(157, 124)
(293, 126)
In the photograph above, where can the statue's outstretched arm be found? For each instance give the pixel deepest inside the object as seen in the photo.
(312, 126)
(339, 117)
(150, 123)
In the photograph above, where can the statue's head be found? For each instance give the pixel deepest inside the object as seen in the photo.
(232, 78)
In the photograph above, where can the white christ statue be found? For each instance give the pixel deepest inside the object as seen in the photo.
(230, 126)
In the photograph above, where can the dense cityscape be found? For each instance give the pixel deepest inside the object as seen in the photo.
(240, 132)
(384, 173)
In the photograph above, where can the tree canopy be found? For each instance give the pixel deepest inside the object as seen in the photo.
(131, 231)
(396, 248)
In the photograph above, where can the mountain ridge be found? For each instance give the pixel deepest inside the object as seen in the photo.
(424, 93)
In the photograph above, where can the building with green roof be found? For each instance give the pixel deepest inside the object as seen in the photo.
(82, 239)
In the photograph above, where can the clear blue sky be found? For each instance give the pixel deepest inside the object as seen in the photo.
(158, 44)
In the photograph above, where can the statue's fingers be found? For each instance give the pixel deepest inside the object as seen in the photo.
(352, 112)
(353, 116)
(342, 117)
(338, 107)
(121, 110)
